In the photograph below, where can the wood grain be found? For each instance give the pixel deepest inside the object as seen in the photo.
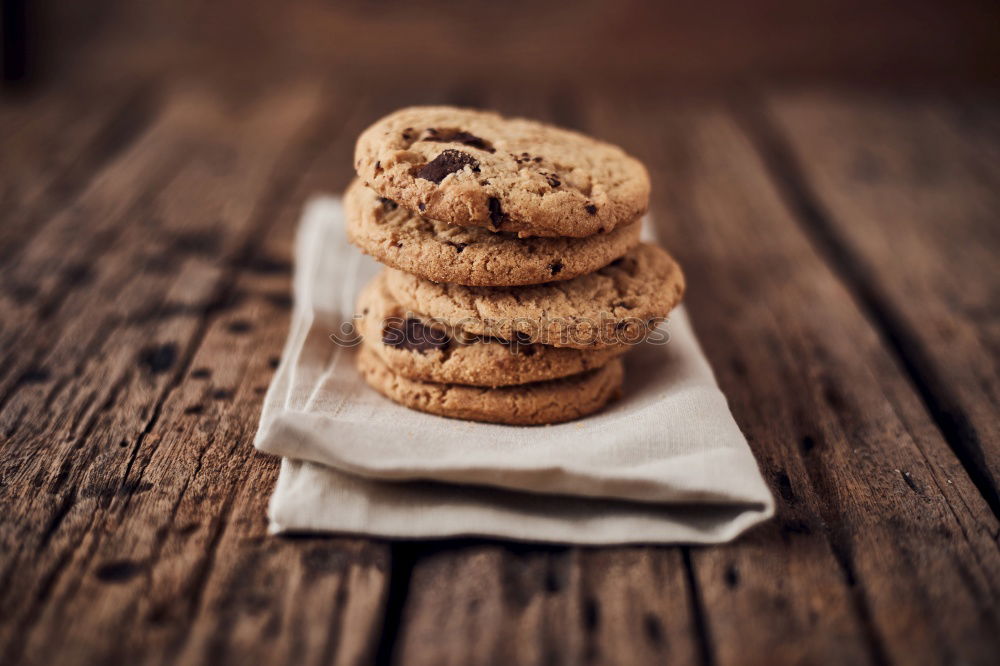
(500, 603)
(878, 528)
(144, 294)
(152, 502)
(911, 194)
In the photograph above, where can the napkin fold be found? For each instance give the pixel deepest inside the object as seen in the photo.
(666, 464)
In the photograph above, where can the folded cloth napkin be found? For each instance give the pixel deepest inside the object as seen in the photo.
(665, 464)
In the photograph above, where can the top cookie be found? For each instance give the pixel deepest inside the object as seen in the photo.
(475, 168)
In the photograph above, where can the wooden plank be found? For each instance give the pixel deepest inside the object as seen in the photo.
(51, 151)
(146, 522)
(882, 548)
(908, 192)
(316, 599)
(489, 603)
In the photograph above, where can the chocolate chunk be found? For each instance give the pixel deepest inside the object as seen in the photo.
(591, 208)
(497, 216)
(556, 267)
(388, 204)
(412, 335)
(447, 162)
(458, 136)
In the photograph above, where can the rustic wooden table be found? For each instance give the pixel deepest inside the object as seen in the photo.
(842, 254)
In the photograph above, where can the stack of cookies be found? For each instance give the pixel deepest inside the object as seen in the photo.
(516, 278)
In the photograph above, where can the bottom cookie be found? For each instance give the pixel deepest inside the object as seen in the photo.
(539, 403)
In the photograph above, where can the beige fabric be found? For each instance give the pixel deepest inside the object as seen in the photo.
(665, 464)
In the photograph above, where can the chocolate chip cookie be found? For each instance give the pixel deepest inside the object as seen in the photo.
(476, 168)
(618, 304)
(473, 256)
(412, 348)
(539, 403)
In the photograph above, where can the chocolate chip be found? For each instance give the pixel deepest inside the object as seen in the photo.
(458, 136)
(422, 206)
(412, 335)
(497, 216)
(553, 180)
(591, 208)
(458, 246)
(388, 204)
(447, 162)
(555, 267)
(538, 159)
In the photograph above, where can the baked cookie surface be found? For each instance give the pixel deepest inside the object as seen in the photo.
(616, 305)
(477, 168)
(472, 256)
(539, 403)
(410, 347)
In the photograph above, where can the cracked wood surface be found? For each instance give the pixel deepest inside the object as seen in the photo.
(838, 251)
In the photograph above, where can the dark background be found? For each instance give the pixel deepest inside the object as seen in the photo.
(624, 46)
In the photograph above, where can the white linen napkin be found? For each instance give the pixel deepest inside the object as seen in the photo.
(665, 464)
